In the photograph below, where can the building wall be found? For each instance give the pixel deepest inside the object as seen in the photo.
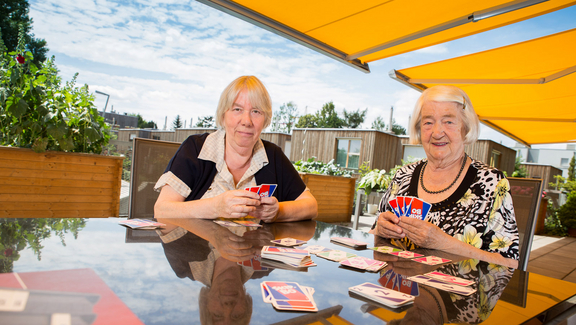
(381, 149)
(182, 134)
(559, 158)
(545, 172)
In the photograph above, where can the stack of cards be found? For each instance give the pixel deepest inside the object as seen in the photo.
(382, 295)
(407, 206)
(363, 263)
(289, 242)
(141, 224)
(335, 255)
(349, 242)
(288, 296)
(264, 190)
(246, 222)
(290, 256)
(445, 282)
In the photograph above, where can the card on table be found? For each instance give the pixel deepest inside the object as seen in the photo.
(288, 296)
(431, 260)
(461, 290)
(399, 282)
(335, 255)
(247, 223)
(349, 242)
(406, 254)
(288, 242)
(448, 278)
(227, 223)
(386, 249)
(363, 263)
(382, 295)
(315, 249)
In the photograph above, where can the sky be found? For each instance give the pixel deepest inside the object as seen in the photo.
(166, 58)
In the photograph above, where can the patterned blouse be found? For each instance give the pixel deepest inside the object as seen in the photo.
(479, 212)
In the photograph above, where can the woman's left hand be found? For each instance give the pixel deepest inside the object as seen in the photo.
(267, 210)
(423, 233)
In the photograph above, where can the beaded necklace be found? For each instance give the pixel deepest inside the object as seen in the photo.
(449, 186)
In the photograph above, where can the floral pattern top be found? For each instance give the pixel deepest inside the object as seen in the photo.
(479, 212)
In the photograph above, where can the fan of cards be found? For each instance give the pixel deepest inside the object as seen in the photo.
(408, 206)
(264, 190)
(288, 296)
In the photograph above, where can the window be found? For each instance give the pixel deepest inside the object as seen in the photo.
(132, 136)
(495, 159)
(348, 153)
(156, 137)
(564, 162)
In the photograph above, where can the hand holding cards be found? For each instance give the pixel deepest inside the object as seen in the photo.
(264, 190)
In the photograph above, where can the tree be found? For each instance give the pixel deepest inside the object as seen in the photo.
(307, 121)
(355, 118)
(572, 170)
(13, 16)
(397, 128)
(327, 117)
(206, 122)
(143, 124)
(285, 118)
(379, 124)
(177, 124)
(519, 170)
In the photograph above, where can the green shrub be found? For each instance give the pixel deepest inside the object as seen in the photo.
(37, 112)
(567, 212)
(312, 166)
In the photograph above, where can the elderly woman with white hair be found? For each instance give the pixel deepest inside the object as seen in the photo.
(472, 213)
(207, 176)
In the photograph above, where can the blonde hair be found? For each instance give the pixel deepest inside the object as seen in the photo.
(257, 94)
(442, 93)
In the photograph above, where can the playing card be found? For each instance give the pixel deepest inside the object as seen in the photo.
(349, 242)
(394, 205)
(461, 290)
(382, 295)
(226, 223)
(314, 249)
(406, 254)
(254, 189)
(288, 242)
(400, 200)
(247, 223)
(386, 249)
(289, 296)
(419, 209)
(335, 255)
(448, 278)
(407, 202)
(363, 263)
(266, 190)
(431, 260)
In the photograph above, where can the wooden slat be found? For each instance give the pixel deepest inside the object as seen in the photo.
(18, 189)
(54, 166)
(26, 181)
(40, 206)
(54, 174)
(54, 198)
(59, 157)
(57, 214)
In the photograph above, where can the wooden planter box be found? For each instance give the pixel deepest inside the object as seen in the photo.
(58, 184)
(335, 196)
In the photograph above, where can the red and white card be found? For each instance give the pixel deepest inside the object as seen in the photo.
(431, 260)
(363, 263)
(406, 254)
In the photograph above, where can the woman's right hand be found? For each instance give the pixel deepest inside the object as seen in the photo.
(387, 226)
(236, 203)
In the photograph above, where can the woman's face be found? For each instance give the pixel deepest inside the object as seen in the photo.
(243, 123)
(442, 131)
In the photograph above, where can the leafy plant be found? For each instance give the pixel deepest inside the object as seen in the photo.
(552, 224)
(37, 112)
(567, 212)
(519, 170)
(312, 166)
(374, 180)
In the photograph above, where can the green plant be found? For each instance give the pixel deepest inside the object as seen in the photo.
(519, 170)
(374, 180)
(37, 112)
(552, 224)
(312, 166)
(567, 212)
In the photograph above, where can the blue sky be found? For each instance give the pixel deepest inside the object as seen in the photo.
(168, 58)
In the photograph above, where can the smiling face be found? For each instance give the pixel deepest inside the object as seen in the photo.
(243, 123)
(442, 131)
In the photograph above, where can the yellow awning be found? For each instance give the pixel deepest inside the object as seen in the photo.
(358, 32)
(525, 90)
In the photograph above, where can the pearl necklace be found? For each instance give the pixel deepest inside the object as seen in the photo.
(449, 186)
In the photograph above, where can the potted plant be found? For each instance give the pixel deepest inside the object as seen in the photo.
(567, 214)
(332, 186)
(51, 137)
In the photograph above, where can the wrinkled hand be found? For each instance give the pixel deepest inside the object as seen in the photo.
(267, 210)
(236, 204)
(233, 247)
(388, 227)
(423, 233)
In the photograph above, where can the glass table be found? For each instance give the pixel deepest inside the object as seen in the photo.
(95, 271)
